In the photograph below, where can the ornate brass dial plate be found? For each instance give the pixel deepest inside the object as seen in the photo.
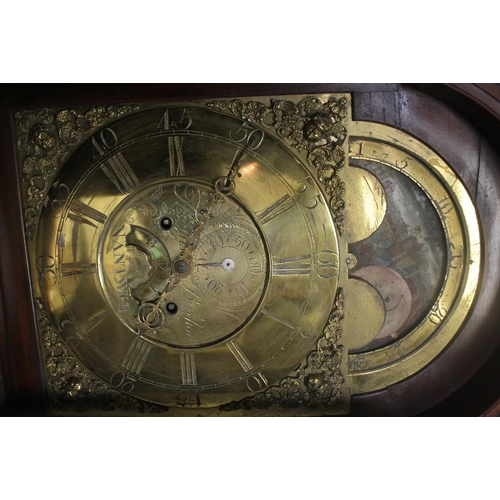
(224, 257)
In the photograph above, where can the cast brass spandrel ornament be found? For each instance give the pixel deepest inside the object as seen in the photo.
(73, 388)
(318, 386)
(45, 138)
(314, 126)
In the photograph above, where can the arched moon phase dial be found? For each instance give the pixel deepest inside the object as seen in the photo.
(421, 253)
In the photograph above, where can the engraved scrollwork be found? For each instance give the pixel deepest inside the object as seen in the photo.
(313, 127)
(44, 139)
(72, 387)
(317, 383)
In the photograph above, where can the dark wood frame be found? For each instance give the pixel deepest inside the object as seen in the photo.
(463, 381)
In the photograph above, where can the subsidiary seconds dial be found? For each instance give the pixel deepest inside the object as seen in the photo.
(229, 265)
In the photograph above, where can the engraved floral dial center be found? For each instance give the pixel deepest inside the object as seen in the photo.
(185, 279)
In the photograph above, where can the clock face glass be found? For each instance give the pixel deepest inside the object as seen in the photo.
(187, 257)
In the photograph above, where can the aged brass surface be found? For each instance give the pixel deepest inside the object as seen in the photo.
(163, 251)
(222, 258)
(365, 212)
(364, 313)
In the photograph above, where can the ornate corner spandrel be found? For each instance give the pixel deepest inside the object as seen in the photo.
(318, 383)
(317, 129)
(44, 139)
(72, 388)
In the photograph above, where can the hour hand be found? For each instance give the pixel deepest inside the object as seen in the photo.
(225, 185)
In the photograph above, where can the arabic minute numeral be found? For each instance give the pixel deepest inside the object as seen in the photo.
(438, 313)
(45, 265)
(61, 192)
(328, 264)
(255, 266)
(257, 382)
(70, 333)
(120, 380)
(167, 123)
(302, 193)
(252, 137)
(106, 140)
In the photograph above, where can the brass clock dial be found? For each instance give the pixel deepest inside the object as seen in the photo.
(239, 256)
(188, 257)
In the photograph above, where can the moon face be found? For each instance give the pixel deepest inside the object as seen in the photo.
(396, 296)
(364, 214)
(364, 313)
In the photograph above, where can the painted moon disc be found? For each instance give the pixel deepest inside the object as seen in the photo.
(395, 293)
(364, 313)
(364, 213)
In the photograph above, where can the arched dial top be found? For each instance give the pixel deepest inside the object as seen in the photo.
(423, 260)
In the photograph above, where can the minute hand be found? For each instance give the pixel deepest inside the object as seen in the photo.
(225, 185)
(254, 140)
